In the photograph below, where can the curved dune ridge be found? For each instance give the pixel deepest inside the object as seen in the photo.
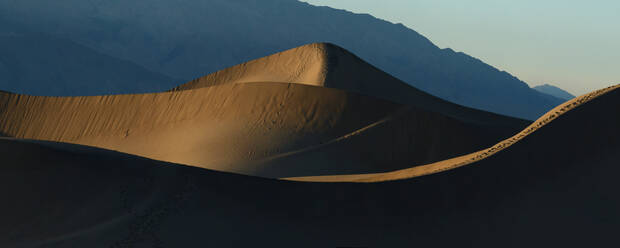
(559, 174)
(422, 170)
(269, 129)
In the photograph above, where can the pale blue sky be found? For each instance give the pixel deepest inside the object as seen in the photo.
(572, 44)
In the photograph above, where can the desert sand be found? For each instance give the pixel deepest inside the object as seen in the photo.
(245, 158)
(560, 177)
(305, 119)
(330, 66)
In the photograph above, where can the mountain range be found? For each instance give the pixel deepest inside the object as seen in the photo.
(187, 39)
(39, 64)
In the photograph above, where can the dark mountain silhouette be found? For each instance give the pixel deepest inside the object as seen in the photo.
(188, 39)
(554, 91)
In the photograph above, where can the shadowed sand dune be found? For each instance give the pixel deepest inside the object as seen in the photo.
(276, 129)
(560, 127)
(556, 185)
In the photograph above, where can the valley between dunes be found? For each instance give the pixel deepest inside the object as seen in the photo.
(311, 147)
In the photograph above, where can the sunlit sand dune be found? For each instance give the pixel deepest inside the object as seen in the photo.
(304, 122)
(330, 66)
(251, 128)
(559, 174)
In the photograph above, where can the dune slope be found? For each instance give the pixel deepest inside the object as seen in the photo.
(328, 65)
(556, 186)
(250, 128)
(309, 111)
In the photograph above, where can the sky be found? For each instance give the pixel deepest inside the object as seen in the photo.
(574, 45)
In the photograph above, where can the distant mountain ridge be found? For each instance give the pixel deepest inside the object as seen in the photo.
(554, 91)
(39, 64)
(36, 63)
(188, 39)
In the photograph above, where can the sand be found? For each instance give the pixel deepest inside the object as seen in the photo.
(472, 158)
(554, 187)
(330, 66)
(279, 129)
(324, 167)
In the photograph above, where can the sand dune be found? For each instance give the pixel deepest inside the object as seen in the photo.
(361, 170)
(561, 175)
(330, 66)
(250, 128)
(311, 119)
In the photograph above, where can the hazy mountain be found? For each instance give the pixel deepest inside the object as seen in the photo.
(187, 39)
(43, 65)
(40, 64)
(554, 91)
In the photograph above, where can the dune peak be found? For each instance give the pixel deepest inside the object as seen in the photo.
(331, 66)
(315, 103)
(317, 64)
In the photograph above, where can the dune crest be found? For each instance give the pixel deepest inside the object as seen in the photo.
(328, 65)
(302, 65)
